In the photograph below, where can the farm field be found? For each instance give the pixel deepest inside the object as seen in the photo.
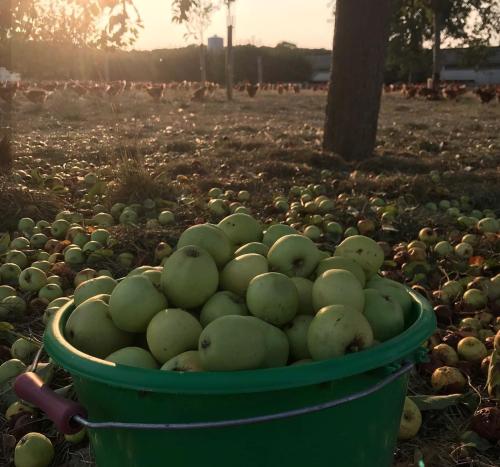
(434, 162)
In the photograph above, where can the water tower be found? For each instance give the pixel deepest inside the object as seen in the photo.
(215, 43)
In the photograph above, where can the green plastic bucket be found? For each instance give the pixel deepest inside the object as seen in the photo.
(363, 394)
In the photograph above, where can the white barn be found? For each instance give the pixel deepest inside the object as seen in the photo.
(454, 70)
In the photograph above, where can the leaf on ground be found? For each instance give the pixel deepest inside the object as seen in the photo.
(494, 376)
(437, 402)
(98, 189)
(470, 438)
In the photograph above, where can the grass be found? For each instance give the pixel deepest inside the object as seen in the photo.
(264, 145)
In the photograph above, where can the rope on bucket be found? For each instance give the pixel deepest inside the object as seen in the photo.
(250, 420)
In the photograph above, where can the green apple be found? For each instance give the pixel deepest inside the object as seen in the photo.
(273, 297)
(337, 330)
(26, 225)
(166, 217)
(190, 277)
(294, 255)
(338, 287)
(238, 273)
(103, 219)
(215, 192)
(23, 349)
(232, 343)
(50, 292)
(126, 259)
(275, 232)
(74, 256)
(390, 288)
(172, 332)
(276, 342)
(100, 235)
(32, 279)
(12, 308)
(445, 354)
(364, 250)
(33, 450)
(116, 210)
(76, 438)
(253, 247)
(128, 216)
(20, 243)
(218, 207)
(91, 330)
(186, 361)
(339, 262)
(93, 287)
(17, 408)
(91, 247)
(134, 302)
(471, 349)
(44, 265)
(304, 288)
(59, 228)
(243, 195)
(222, 304)
(162, 251)
(241, 229)
(154, 275)
(7, 291)
(17, 257)
(9, 273)
(133, 356)
(313, 232)
(411, 420)
(443, 249)
(212, 239)
(488, 224)
(384, 314)
(334, 228)
(140, 270)
(464, 250)
(84, 275)
(10, 369)
(296, 332)
(475, 298)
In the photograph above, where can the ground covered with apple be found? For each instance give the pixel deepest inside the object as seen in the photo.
(302, 253)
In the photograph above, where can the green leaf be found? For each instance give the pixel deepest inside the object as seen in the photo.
(471, 438)
(437, 402)
(4, 242)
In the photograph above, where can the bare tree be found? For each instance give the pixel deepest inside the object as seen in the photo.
(198, 19)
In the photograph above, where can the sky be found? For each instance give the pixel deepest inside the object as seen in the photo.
(258, 22)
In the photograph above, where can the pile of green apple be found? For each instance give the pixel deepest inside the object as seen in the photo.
(234, 297)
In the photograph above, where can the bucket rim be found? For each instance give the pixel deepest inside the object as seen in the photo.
(393, 351)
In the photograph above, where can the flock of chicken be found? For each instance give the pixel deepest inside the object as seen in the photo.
(37, 93)
(449, 91)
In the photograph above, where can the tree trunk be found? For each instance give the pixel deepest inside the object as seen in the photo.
(203, 65)
(436, 51)
(229, 63)
(355, 89)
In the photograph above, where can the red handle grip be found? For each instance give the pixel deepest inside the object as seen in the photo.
(61, 411)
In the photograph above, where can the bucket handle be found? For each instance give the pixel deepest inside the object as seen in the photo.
(69, 416)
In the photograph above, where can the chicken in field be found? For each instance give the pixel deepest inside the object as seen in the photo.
(6, 157)
(281, 89)
(486, 94)
(199, 94)
(37, 96)
(116, 88)
(252, 89)
(409, 91)
(8, 92)
(156, 92)
(296, 88)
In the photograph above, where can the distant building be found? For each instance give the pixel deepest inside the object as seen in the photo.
(453, 68)
(6, 75)
(215, 43)
(320, 68)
